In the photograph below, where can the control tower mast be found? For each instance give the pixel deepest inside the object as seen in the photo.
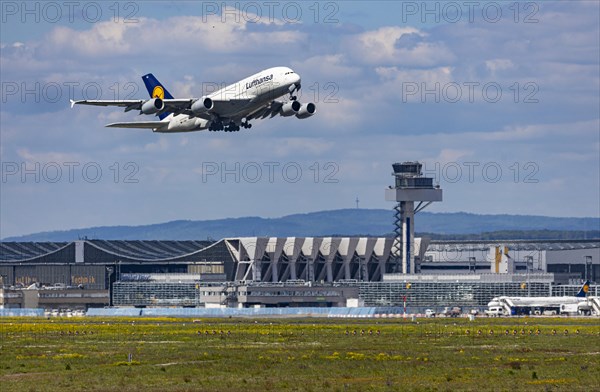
(410, 186)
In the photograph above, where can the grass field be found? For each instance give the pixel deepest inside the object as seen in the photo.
(544, 354)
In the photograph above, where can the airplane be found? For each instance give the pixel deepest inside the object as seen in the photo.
(228, 109)
(537, 305)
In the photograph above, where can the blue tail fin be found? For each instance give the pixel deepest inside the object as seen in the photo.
(156, 90)
(584, 289)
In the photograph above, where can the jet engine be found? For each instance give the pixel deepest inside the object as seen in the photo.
(152, 106)
(290, 108)
(202, 105)
(307, 110)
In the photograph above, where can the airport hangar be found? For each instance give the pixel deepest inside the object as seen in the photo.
(289, 271)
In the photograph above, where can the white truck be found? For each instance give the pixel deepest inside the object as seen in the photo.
(495, 309)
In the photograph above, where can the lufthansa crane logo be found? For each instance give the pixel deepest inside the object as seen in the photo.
(158, 92)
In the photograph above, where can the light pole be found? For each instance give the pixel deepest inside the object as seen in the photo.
(109, 272)
(529, 266)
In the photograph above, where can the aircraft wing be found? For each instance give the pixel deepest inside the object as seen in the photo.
(101, 102)
(140, 124)
(226, 105)
(171, 105)
(272, 109)
(222, 107)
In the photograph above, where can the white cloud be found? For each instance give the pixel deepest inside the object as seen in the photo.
(447, 155)
(429, 76)
(495, 65)
(47, 157)
(409, 85)
(344, 115)
(380, 45)
(385, 46)
(186, 88)
(544, 131)
(333, 66)
(290, 147)
(109, 43)
(166, 37)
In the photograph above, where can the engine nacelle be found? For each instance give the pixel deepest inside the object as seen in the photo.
(307, 110)
(290, 108)
(202, 105)
(152, 106)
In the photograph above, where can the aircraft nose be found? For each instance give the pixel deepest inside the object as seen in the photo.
(295, 79)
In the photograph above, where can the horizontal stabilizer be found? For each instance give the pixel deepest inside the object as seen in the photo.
(104, 102)
(140, 124)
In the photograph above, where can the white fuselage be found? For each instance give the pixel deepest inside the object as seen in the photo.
(542, 301)
(525, 305)
(258, 89)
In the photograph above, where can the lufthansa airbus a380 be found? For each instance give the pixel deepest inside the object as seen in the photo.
(228, 109)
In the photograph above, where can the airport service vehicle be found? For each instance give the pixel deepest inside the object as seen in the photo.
(495, 309)
(454, 311)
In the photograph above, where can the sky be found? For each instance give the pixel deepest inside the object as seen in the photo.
(500, 101)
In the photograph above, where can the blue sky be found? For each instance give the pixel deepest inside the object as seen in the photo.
(500, 100)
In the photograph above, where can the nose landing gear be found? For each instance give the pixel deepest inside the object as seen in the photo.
(292, 89)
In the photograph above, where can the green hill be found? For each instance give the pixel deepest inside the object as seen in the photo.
(347, 222)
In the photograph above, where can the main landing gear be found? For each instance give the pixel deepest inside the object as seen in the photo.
(216, 126)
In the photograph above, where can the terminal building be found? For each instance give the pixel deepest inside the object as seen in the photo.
(288, 271)
(298, 271)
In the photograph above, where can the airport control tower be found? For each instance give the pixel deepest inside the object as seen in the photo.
(411, 186)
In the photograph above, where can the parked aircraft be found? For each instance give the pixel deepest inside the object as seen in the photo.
(505, 305)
